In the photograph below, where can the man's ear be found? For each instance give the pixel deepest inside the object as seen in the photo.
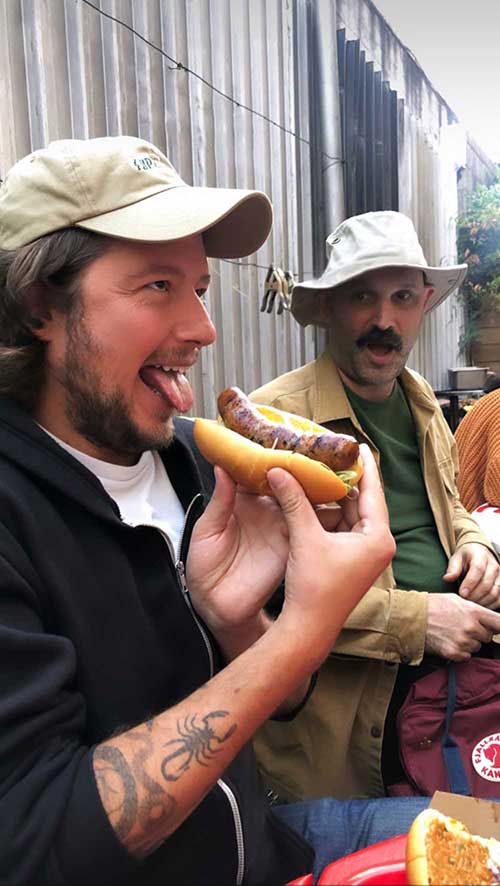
(325, 305)
(429, 291)
(43, 330)
(40, 317)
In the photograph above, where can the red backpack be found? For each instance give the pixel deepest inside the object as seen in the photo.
(449, 731)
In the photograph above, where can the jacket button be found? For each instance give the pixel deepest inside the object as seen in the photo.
(376, 731)
(406, 659)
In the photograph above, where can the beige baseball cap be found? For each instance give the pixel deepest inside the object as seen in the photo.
(365, 243)
(125, 187)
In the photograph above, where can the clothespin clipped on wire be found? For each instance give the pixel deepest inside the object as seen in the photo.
(278, 284)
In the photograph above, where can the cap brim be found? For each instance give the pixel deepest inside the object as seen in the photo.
(234, 222)
(305, 304)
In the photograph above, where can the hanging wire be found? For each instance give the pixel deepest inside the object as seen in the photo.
(252, 264)
(177, 65)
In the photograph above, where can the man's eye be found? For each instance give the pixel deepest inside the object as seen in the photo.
(362, 297)
(202, 295)
(405, 295)
(160, 285)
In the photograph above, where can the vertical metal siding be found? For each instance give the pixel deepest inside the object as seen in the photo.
(369, 131)
(391, 162)
(428, 195)
(67, 70)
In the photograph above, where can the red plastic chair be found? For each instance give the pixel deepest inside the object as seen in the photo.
(382, 864)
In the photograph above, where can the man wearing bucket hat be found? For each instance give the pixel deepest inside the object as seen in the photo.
(130, 685)
(372, 297)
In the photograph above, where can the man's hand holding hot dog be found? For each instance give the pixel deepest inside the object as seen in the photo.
(244, 545)
(315, 600)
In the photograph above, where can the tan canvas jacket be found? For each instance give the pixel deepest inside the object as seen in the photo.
(333, 746)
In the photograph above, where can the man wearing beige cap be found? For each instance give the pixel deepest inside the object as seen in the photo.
(136, 661)
(436, 600)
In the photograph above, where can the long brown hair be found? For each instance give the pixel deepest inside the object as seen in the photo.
(35, 279)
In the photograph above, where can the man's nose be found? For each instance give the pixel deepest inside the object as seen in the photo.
(194, 323)
(383, 315)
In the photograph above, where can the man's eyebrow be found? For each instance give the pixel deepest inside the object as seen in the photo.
(161, 270)
(371, 290)
(360, 287)
(409, 284)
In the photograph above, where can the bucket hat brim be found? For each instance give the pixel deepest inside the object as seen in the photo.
(369, 242)
(305, 305)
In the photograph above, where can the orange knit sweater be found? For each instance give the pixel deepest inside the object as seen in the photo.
(478, 442)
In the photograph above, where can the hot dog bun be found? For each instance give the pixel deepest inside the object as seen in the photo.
(248, 462)
(441, 850)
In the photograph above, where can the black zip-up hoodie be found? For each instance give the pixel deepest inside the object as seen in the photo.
(96, 635)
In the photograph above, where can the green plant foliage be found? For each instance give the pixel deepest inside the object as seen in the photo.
(478, 244)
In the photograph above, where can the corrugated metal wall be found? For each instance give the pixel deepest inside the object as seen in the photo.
(393, 161)
(239, 93)
(428, 193)
(68, 70)
(369, 132)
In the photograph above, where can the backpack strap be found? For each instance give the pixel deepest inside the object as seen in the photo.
(457, 776)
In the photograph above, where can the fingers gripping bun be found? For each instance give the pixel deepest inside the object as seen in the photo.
(248, 462)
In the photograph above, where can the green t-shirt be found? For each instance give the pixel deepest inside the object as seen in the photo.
(420, 560)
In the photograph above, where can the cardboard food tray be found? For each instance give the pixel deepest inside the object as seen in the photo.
(482, 817)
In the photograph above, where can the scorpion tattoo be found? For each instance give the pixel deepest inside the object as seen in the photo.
(195, 741)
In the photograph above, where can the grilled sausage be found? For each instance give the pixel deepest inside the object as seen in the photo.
(337, 451)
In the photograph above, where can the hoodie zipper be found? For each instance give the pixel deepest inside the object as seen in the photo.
(238, 827)
(233, 803)
(181, 577)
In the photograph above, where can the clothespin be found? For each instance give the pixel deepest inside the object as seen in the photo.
(278, 283)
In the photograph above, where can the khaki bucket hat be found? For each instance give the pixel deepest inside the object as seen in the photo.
(365, 243)
(125, 187)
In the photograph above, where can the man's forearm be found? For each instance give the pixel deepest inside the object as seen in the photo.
(235, 643)
(151, 777)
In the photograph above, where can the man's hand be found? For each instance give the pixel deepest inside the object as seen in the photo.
(328, 573)
(237, 556)
(481, 574)
(456, 627)
(243, 544)
(238, 553)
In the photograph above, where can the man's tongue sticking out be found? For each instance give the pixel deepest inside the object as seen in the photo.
(172, 386)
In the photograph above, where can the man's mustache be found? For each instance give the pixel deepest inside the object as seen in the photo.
(385, 338)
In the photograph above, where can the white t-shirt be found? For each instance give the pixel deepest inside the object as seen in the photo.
(143, 491)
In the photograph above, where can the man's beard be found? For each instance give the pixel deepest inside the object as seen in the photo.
(102, 418)
(349, 358)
